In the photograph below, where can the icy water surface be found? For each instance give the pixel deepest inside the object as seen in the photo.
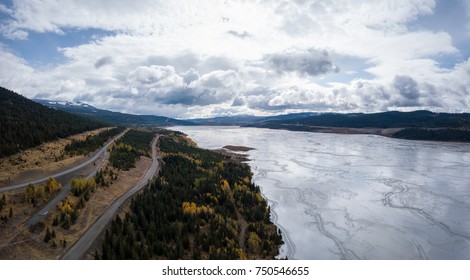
(358, 196)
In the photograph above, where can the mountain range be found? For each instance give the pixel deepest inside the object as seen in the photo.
(241, 120)
(86, 110)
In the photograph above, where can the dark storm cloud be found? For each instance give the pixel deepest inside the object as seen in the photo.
(191, 96)
(190, 76)
(309, 62)
(408, 91)
(238, 101)
(184, 96)
(406, 86)
(103, 61)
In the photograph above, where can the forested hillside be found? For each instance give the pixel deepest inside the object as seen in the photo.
(201, 206)
(417, 125)
(392, 119)
(25, 124)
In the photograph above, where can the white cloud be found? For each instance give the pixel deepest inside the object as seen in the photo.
(16, 74)
(4, 9)
(217, 87)
(54, 16)
(292, 97)
(239, 56)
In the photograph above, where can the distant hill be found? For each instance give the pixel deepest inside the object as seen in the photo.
(86, 110)
(247, 119)
(417, 125)
(392, 119)
(25, 124)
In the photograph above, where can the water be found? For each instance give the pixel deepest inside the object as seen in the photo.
(358, 196)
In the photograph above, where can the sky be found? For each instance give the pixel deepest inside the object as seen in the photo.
(207, 58)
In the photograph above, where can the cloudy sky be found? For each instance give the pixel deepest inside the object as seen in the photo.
(214, 58)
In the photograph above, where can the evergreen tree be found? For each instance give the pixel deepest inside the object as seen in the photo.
(48, 235)
(2, 202)
(55, 221)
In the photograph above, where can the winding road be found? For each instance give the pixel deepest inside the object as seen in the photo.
(81, 246)
(70, 170)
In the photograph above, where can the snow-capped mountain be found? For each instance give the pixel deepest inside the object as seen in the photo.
(66, 103)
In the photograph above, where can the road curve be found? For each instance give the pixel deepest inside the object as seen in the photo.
(75, 168)
(81, 246)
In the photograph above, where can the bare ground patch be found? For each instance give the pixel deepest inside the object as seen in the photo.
(18, 242)
(40, 161)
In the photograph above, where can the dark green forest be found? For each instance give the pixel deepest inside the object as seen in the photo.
(130, 147)
(201, 206)
(25, 124)
(92, 142)
(434, 134)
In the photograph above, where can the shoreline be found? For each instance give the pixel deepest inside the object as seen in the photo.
(232, 156)
(384, 132)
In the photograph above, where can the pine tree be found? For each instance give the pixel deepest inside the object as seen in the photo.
(55, 221)
(10, 213)
(48, 235)
(2, 203)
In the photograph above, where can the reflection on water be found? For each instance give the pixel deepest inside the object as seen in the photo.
(358, 196)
